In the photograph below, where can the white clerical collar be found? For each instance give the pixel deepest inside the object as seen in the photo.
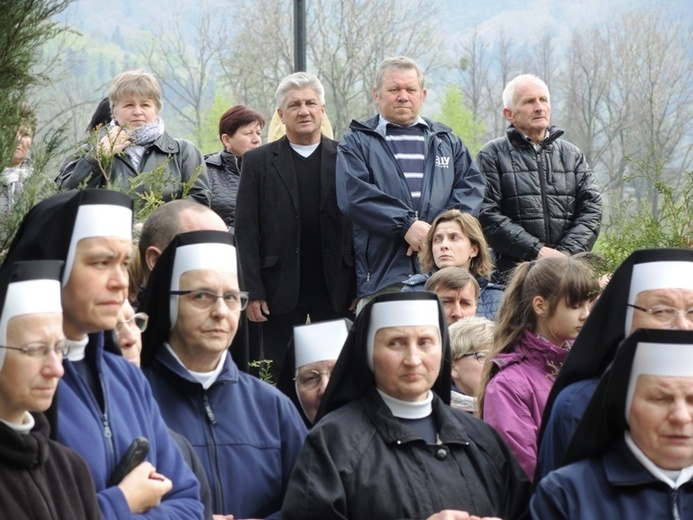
(674, 479)
(26, 426)
(406, 409)
(77, 348)
(206, 379)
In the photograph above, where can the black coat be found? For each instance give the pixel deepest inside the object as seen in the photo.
(361, 462)
(537, 198)
(224, 177)
(41, 479)
(268, 230)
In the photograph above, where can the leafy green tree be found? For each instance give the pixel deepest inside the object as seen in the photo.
(25, 26)
(457, 116)
(633, 225)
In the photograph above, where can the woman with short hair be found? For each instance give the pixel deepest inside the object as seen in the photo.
(240, 130)
(136, 142)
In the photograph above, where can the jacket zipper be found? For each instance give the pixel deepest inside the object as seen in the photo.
(674, 505)
(211, 421)
(542, 182)
(108, 434)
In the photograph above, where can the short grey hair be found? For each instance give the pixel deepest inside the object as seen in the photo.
(138, 83)
(509, 90)
(299, 81)
(398, 63)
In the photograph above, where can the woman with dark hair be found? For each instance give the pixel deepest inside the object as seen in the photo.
(239, 131)
(386, 444)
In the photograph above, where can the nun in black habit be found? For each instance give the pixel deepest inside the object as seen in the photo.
(39, 478)
(386, 443)
(632, 453)
(613, 318)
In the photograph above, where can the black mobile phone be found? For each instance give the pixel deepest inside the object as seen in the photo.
(133, 457)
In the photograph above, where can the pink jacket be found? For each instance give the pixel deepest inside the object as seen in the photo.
(516, 395)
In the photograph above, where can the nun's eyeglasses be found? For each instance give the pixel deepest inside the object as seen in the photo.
(203, 299)
(40, 351)
(665, 315)
(479, 356)
(139, 321)
(311, 379)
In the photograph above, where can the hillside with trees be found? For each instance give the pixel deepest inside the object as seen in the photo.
(621, 85)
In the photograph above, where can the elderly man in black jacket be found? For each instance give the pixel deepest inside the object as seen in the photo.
(541, 199)
(294, 244)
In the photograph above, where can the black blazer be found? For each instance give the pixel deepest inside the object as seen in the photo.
(268, 228)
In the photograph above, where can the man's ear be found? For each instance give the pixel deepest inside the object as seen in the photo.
(151, 256)
(508, 114)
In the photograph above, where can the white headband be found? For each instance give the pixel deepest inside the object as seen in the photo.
(205, 255)
(97, 220)
(319, 341)
(401, 313)
(28, 297)
(657, 275)
(659, 359)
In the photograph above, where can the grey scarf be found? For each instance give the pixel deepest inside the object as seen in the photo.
(141, 138)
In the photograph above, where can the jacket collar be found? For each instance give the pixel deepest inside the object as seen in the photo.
(393, 431)
(623, 469)
(371, 125)
(537, 351)
(25, 450)
(166, 363)
(517, 137)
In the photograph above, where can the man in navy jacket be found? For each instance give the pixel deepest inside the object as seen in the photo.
(395, 173)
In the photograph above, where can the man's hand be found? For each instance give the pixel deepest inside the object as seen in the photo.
(144, 488)
(257, 310)
(545, 252)
(416, 235)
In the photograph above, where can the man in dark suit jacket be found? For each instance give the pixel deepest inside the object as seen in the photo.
(294, 244)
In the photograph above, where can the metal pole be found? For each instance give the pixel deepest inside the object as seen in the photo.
(299, 35)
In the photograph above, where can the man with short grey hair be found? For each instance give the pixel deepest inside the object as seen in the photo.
(395, 173)
(541, 199)
(294, 244)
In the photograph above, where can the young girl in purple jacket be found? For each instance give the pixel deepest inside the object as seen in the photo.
(546, 303)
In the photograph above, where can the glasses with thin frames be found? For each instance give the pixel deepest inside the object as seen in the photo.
(311, 379)
(479, 356)
(203, 299)
(41, 351)
(138, 321)
(665, 315)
